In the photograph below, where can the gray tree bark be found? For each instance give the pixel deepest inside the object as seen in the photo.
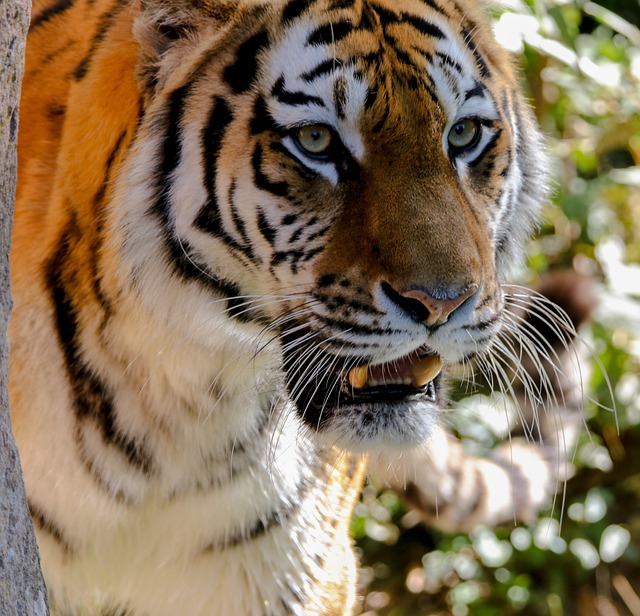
(22, 590)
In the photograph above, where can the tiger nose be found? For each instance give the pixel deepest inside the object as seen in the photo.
(425, 308)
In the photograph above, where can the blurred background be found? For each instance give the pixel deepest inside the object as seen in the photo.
(581, 67)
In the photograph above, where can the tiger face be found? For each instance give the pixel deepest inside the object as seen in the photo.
(351, 178)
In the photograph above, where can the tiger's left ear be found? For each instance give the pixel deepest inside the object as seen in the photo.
(164, 26)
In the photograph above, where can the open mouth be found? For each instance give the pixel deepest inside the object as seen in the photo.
(323, 385)
(413, 375)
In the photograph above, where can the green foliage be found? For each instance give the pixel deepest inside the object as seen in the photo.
(581, 62)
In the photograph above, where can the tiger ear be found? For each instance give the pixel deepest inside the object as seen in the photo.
(165, 25)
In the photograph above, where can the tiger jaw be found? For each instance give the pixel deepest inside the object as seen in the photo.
(361, 406)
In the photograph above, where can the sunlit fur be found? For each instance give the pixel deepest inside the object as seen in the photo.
(192, 286)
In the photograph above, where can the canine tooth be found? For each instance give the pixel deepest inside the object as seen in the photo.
(426, 369)
(358, 377)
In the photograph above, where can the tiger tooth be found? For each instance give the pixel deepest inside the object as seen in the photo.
(426, 369)
(358, 377)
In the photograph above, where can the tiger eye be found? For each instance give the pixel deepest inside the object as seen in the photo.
(314, 138)
(463, 133)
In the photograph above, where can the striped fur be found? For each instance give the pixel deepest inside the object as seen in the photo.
(192, 285)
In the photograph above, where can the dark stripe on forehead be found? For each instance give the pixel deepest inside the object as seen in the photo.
(477, 90)
(322, 69)
(330, 33)
(294, 99)
(340, 96)
(243, 72)
(481, 63)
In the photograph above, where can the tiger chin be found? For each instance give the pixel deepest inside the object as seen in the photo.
(250, 237)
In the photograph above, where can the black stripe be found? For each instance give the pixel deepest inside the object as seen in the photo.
(436, 7)
(280, 189)
(106, 21)
(261, 120)
(340, 96)
(47, 525)
(238, 223)
(477, 90)
(368, 21)
(324, 68)
(336, 301)
(296, 234)
(263, 526)
(491, 144)
(303, 171)
(330, 33)
(208, 219)
(294, 257)
(423, 26)
(98, 207)
(211, 138)
(483, 324)
(485, 72)
(385, 16)
(294, 99)
(355, 328)
(171, 149)
(383, 120)
(243, 72)
(266, 230)
(180, 253)
(372, 96)
(50, 12)
(43, 65)
(326, 280)
(447, 59)
(295, 8)
(92, 399)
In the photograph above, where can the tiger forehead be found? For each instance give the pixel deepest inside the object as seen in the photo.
(336, 63)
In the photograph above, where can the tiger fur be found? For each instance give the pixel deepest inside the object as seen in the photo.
(243, 227)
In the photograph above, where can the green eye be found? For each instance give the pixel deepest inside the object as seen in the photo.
(314, 138)
(464, 134)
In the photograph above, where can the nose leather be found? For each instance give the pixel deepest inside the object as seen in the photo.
(433, 311)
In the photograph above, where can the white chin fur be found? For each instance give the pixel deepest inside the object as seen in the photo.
(396, 428)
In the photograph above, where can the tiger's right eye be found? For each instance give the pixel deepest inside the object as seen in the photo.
(314, 139)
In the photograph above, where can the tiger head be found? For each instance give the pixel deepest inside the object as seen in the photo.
(351, 177)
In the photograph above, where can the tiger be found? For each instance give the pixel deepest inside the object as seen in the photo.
(251, 239)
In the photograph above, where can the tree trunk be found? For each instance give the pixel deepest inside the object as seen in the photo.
(22, 590)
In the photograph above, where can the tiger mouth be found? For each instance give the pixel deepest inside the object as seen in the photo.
(366, 387)
(412, 375)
